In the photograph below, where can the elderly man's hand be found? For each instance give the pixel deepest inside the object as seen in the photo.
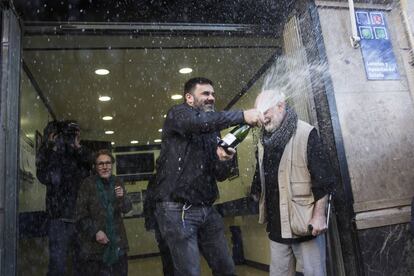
(223, 155)
(318, 223)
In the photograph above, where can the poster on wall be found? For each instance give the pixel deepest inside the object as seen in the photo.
(376, 47)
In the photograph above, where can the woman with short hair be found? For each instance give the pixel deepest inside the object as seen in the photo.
(101, 201)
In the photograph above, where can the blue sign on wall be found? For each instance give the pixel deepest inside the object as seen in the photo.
(376, 47)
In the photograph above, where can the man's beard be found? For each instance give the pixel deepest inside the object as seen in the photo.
(274, 124)
(205, 106)
(271, 127)
(208, 108)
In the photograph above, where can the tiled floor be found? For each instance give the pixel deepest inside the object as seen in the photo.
(152, 267)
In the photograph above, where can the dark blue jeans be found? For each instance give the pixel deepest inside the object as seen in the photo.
(200, 229)
(62, 244)
(166, 259)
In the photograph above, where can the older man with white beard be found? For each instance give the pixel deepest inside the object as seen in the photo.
(291, 182)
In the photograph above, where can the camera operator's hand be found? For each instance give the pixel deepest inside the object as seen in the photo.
(101, 237)
(77, 144)
(52, 137)
(51, 141)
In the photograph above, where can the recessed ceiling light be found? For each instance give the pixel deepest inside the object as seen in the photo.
(160, 130)
(109, 132)
(185, 70)
(112, 143)
(104, 98)
(102, 72)
(134, 142)
(176, 97)
(107, 118)
(157, 140)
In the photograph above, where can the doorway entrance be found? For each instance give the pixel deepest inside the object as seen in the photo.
(118, 79)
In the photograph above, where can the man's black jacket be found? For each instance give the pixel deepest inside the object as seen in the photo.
(62, 173)
(150, 205)
(188, 166)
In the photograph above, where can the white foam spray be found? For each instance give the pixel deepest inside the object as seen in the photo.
(289, 79)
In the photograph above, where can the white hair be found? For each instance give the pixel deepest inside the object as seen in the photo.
(268, 99)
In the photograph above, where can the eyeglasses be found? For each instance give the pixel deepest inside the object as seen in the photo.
(101, 164)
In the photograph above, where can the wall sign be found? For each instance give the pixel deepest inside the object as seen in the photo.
(376, 47)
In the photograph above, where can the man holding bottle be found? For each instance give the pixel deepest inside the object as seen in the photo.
(189, 165)
(291, 182)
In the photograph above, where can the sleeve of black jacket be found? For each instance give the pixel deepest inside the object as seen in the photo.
(186, 120)
(319, 166)
(84, 159)
(223, 169)
(150, 205)
(43, 161)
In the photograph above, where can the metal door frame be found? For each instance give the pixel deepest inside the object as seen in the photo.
(9, 133)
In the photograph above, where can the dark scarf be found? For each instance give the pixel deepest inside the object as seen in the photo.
(281, 136)
(107, 199)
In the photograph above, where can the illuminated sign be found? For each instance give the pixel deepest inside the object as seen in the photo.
(376, 47)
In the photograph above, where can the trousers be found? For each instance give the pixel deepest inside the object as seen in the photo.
(190, 231)
(63, 243)
(309, 257)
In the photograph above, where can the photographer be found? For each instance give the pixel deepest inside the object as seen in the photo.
(62, 163)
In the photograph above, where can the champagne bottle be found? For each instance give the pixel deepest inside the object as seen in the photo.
(234, 137)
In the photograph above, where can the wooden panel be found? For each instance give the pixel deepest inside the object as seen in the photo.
(381, 204)
(378, 143)
(383, 217)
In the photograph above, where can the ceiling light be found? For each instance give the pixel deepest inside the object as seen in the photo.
(176, 97)
(134, 142)
(157, 140)
(160, 130)
(112, 143)
(104, 98)
(185, 70)
(107, 118)
(109, 132)
(102, 72)
(165, 116)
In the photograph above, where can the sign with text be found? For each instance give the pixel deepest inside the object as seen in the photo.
(376, 47)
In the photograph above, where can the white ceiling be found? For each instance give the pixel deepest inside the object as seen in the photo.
(143, 76)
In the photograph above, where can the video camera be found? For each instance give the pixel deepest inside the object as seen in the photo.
(64, 131)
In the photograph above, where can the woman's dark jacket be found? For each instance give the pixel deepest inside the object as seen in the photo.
(91, 217)
(188, 166)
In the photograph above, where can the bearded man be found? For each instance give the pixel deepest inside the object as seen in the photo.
(188, 167)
